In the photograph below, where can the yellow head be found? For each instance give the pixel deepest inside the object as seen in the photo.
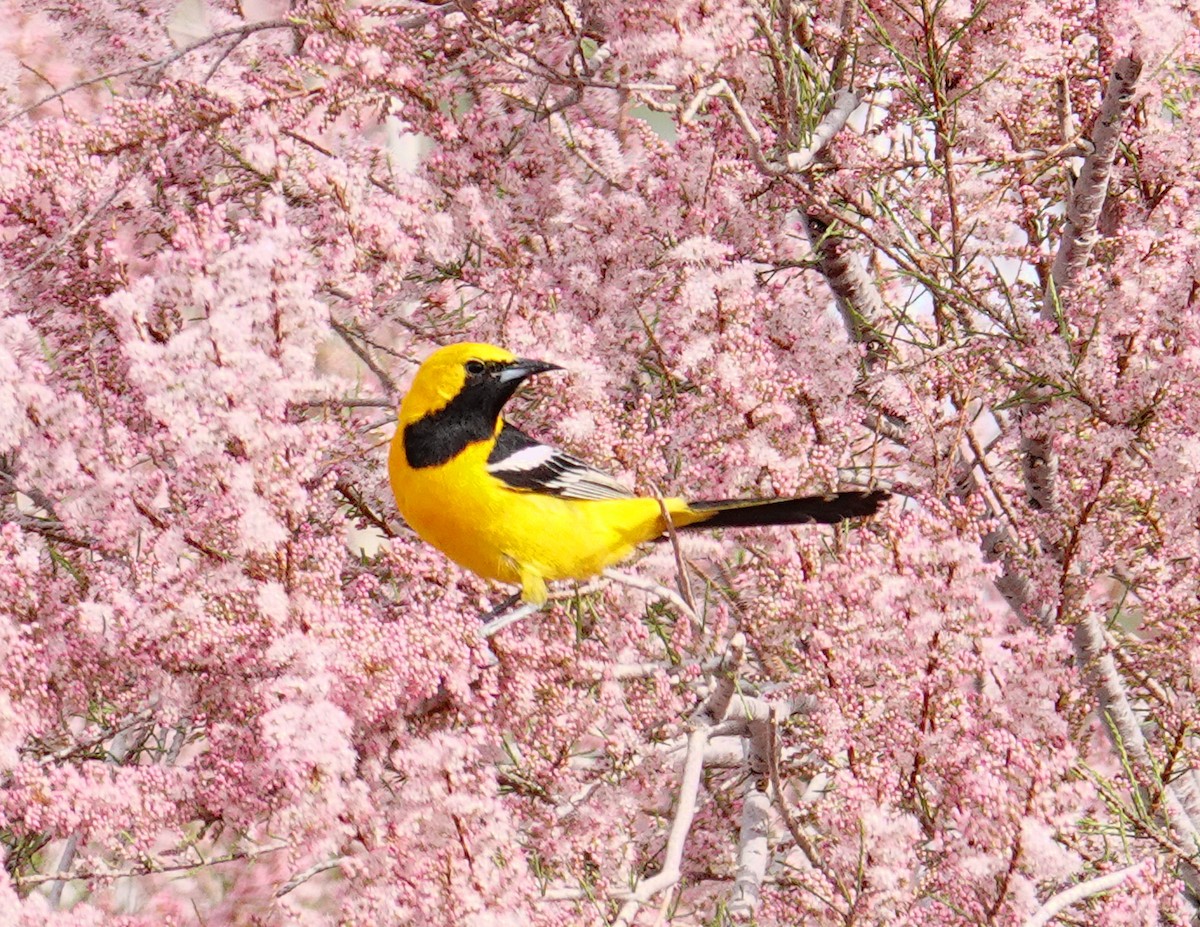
(445, 373)
(456, 400)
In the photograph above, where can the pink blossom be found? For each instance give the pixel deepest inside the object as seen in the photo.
(235, 687)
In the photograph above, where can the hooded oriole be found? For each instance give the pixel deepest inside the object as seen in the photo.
(510, 508)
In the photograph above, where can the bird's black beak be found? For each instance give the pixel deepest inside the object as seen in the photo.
(523, 368)
(512, 376)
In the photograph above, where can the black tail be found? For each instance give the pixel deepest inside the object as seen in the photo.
(801, 510)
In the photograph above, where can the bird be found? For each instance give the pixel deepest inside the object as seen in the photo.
(512, 509)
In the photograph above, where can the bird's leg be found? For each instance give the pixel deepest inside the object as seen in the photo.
(498, 624)
(501, 608)
(533, 591)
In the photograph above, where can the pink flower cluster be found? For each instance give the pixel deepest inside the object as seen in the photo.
(948, 249)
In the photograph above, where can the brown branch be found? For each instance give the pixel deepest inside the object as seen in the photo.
(150, 868)
(858, 302)
(163, 525)
(351, 338)
(355, 499)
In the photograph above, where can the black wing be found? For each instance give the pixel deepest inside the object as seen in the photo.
(530, 466)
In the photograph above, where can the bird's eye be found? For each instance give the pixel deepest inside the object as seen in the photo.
(475, 368)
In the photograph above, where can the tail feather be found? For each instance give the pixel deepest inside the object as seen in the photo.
(801, 510)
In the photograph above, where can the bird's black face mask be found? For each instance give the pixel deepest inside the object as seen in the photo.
(471, 415)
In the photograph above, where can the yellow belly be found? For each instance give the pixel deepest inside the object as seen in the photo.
(522, 538)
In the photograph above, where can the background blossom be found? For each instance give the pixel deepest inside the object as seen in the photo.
(949, 249)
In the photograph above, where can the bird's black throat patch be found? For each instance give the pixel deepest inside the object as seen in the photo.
(469, 417)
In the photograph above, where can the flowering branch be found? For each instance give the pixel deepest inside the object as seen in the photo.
(238, 32)
(781, 804)
(1040, 468)
(858, 300)
(175, 494)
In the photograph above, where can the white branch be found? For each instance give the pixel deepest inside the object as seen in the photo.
(710, 713)
(843, 103)
(657, 590)
(1077, 893)
(1097, 662)
(754, 850)
(499, 624)
(1091, 188)
(685, 813)
(301, 877)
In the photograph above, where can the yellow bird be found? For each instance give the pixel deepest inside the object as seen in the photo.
(512, 509)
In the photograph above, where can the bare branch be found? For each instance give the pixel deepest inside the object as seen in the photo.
(346, 404)
(711, 712)
(655, 589)
(754, 850)
(301, 877)
(681, 574)
(355, 499)
(1077, 893)
(54, 897)
(241, 32)
(149, 868)
(351, 338)
(842, 104)
(496, 625)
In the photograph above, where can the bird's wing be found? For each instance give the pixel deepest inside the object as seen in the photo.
(527, 465)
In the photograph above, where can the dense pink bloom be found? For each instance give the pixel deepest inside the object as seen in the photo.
(235, 689)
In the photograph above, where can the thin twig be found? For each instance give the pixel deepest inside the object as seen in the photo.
(83, 223)
(103, 874)
(781, 805)
(158, 64)
(301, 877)
(685, 586)
(356, 501)
(345, 404)
(351, 338)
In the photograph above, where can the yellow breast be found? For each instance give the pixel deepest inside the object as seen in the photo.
(516, 537)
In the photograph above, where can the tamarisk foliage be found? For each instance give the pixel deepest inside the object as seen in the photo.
(945, 248)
